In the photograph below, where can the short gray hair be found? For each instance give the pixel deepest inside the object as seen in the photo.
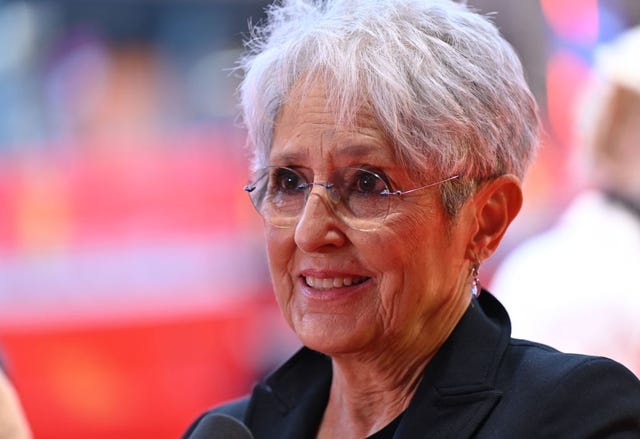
(443, 84)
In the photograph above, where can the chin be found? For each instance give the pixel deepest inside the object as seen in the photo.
(333, 335)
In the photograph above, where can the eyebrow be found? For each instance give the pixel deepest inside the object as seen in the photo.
(350, 150)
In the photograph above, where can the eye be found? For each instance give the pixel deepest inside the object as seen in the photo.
(286, 180)
(365, 182)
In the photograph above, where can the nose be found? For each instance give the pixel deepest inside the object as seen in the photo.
(319, 229)
(326, 192)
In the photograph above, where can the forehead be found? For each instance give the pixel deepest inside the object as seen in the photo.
(308, 125)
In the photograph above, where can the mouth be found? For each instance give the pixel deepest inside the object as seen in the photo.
(331, 283)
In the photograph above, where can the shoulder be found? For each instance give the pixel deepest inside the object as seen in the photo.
(544, 363)
(236, 409)
(594, 395)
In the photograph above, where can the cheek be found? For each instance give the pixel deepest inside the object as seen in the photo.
(407, 239)
(415, 258)
(398, 254)
(280, 249)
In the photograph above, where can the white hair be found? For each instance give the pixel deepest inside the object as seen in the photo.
(443, 84)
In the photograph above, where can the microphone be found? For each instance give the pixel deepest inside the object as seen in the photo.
(218, 426)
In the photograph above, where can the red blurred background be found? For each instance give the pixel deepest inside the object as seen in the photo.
(134, 292)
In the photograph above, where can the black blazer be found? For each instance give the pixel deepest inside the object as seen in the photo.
(481, 384)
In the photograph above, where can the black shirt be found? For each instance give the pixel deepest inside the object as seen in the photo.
(388, 431)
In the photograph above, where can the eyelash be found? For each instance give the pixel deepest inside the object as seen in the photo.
(367, 167)
(383, 175)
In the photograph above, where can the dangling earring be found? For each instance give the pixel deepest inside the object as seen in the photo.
(475, 280)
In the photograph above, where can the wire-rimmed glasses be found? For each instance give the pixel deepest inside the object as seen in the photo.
(361, 198)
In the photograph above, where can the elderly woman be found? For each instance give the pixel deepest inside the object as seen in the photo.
(390, 139)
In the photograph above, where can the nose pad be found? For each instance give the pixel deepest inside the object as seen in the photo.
(332, 195)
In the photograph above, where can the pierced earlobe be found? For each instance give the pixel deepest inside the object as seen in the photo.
(475, 280)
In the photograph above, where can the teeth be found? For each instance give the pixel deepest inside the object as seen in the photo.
(334, 282)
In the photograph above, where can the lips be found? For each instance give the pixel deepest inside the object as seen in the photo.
(328, 283)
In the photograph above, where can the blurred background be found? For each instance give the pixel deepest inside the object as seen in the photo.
(134, 292)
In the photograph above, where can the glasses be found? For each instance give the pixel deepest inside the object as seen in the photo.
(359, 197)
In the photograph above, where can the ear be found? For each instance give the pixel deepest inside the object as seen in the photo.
(496, 204)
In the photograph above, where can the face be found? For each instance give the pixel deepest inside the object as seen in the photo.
(349, 291)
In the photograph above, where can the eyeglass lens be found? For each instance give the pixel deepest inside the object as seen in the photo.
(357, 196)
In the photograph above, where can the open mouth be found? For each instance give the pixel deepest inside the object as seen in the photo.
(333, 282)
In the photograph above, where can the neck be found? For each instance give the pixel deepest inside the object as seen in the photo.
(363, 399)
(369, 390)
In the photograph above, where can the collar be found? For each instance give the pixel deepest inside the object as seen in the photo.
(458, 390)
(455, 395)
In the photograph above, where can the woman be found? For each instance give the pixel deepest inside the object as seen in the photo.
(390, 139)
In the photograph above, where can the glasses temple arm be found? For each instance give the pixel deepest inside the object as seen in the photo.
(398, 192)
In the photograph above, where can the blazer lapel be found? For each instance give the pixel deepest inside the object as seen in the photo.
(457, 390)
(290, 403)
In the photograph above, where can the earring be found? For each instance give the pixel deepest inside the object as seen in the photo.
(475, 280)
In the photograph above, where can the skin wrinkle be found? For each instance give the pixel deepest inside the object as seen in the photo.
(381, 338)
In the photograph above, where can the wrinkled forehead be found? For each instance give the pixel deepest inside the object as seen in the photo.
(309, 124)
